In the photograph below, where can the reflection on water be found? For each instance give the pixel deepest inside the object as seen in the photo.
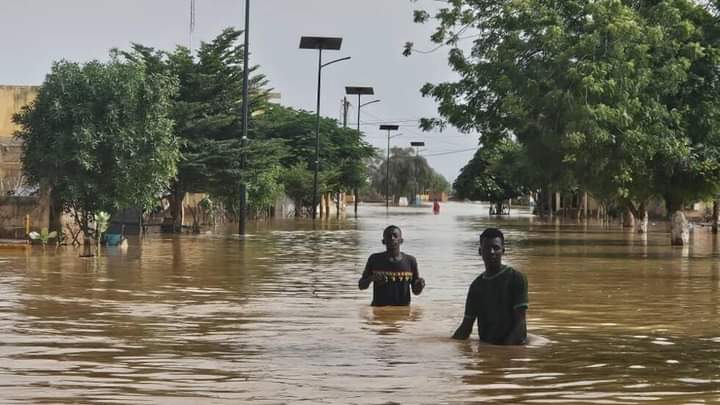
(277, 318)
(390, 320)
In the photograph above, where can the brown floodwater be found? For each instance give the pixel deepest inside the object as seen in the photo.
(278, 318)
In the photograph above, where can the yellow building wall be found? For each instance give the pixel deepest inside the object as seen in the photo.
(12, 99)
(14, 209)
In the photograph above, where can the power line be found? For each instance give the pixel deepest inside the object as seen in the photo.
(383, 122)
(424, 136)
(450, 152)
(387, 122)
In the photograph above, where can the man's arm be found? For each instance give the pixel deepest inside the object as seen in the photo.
(366, 277)
(465, 329)
(518, 334)
(369, 277)
(418, 283)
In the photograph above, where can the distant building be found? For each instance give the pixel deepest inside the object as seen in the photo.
(12, 99)
(18, 202)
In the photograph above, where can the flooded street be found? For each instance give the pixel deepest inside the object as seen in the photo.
(278, 318)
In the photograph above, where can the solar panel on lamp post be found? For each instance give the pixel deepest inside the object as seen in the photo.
(320, 43)
(417, 145)
(387, 162)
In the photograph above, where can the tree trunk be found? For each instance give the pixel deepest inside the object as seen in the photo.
(585, 205)
(628, 219)
(679, 229)
(320, 207)
(356, 195)
(56, 212)
(176, 208)
(327, 205)
(716, 216)
(579, 208)
(549, 202)
(641, 215)
(337, 206)
(87, 241)
(558, 204)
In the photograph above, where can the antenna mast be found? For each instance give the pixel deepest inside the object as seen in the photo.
(192, 24)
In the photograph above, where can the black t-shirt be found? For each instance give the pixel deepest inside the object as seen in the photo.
(493, 301)
(399, 276)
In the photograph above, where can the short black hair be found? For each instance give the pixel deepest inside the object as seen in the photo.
(390, 228)
(491, 233)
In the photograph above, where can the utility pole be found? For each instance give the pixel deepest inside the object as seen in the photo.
(417, 146)
(319, 43)
(359, 91)
(192, 25)
(388, 128)
(345, 104)
(243, 142)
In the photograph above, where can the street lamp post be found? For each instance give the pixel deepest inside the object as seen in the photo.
(360, 91)
(319, 43)
(243, 141)
(387, 162)
(417, 145)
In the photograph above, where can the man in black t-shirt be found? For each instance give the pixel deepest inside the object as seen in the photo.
(498, 298)
(393, 273)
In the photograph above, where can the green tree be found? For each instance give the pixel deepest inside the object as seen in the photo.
(621, 96)
(262, 172)
(408, 174)
(496, 173)
(342, 150)
(100, 136)
(298, 183)
(207, 111)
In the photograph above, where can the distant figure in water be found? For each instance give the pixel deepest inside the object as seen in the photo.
(498, 298)
(392, 272)
(436, 207)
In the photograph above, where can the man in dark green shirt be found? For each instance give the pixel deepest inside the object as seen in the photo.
(497, 298)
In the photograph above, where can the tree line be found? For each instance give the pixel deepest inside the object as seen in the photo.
(151, 124)
(618, 98)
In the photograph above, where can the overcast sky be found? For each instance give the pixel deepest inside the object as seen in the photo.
(34, 33)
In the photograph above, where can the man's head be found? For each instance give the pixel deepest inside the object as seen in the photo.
(492, 247)
(392, 237)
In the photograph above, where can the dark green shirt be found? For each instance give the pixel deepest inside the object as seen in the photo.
(493, 301)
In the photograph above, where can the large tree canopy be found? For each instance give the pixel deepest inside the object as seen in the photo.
(621, 95)
(207, 111)
(409, 174)
(343, 152)
(100, 136)
(496, 173)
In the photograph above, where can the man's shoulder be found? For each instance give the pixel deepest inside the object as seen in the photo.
(477, 281)
(513, 272)
(409, 257)
(507, 272)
